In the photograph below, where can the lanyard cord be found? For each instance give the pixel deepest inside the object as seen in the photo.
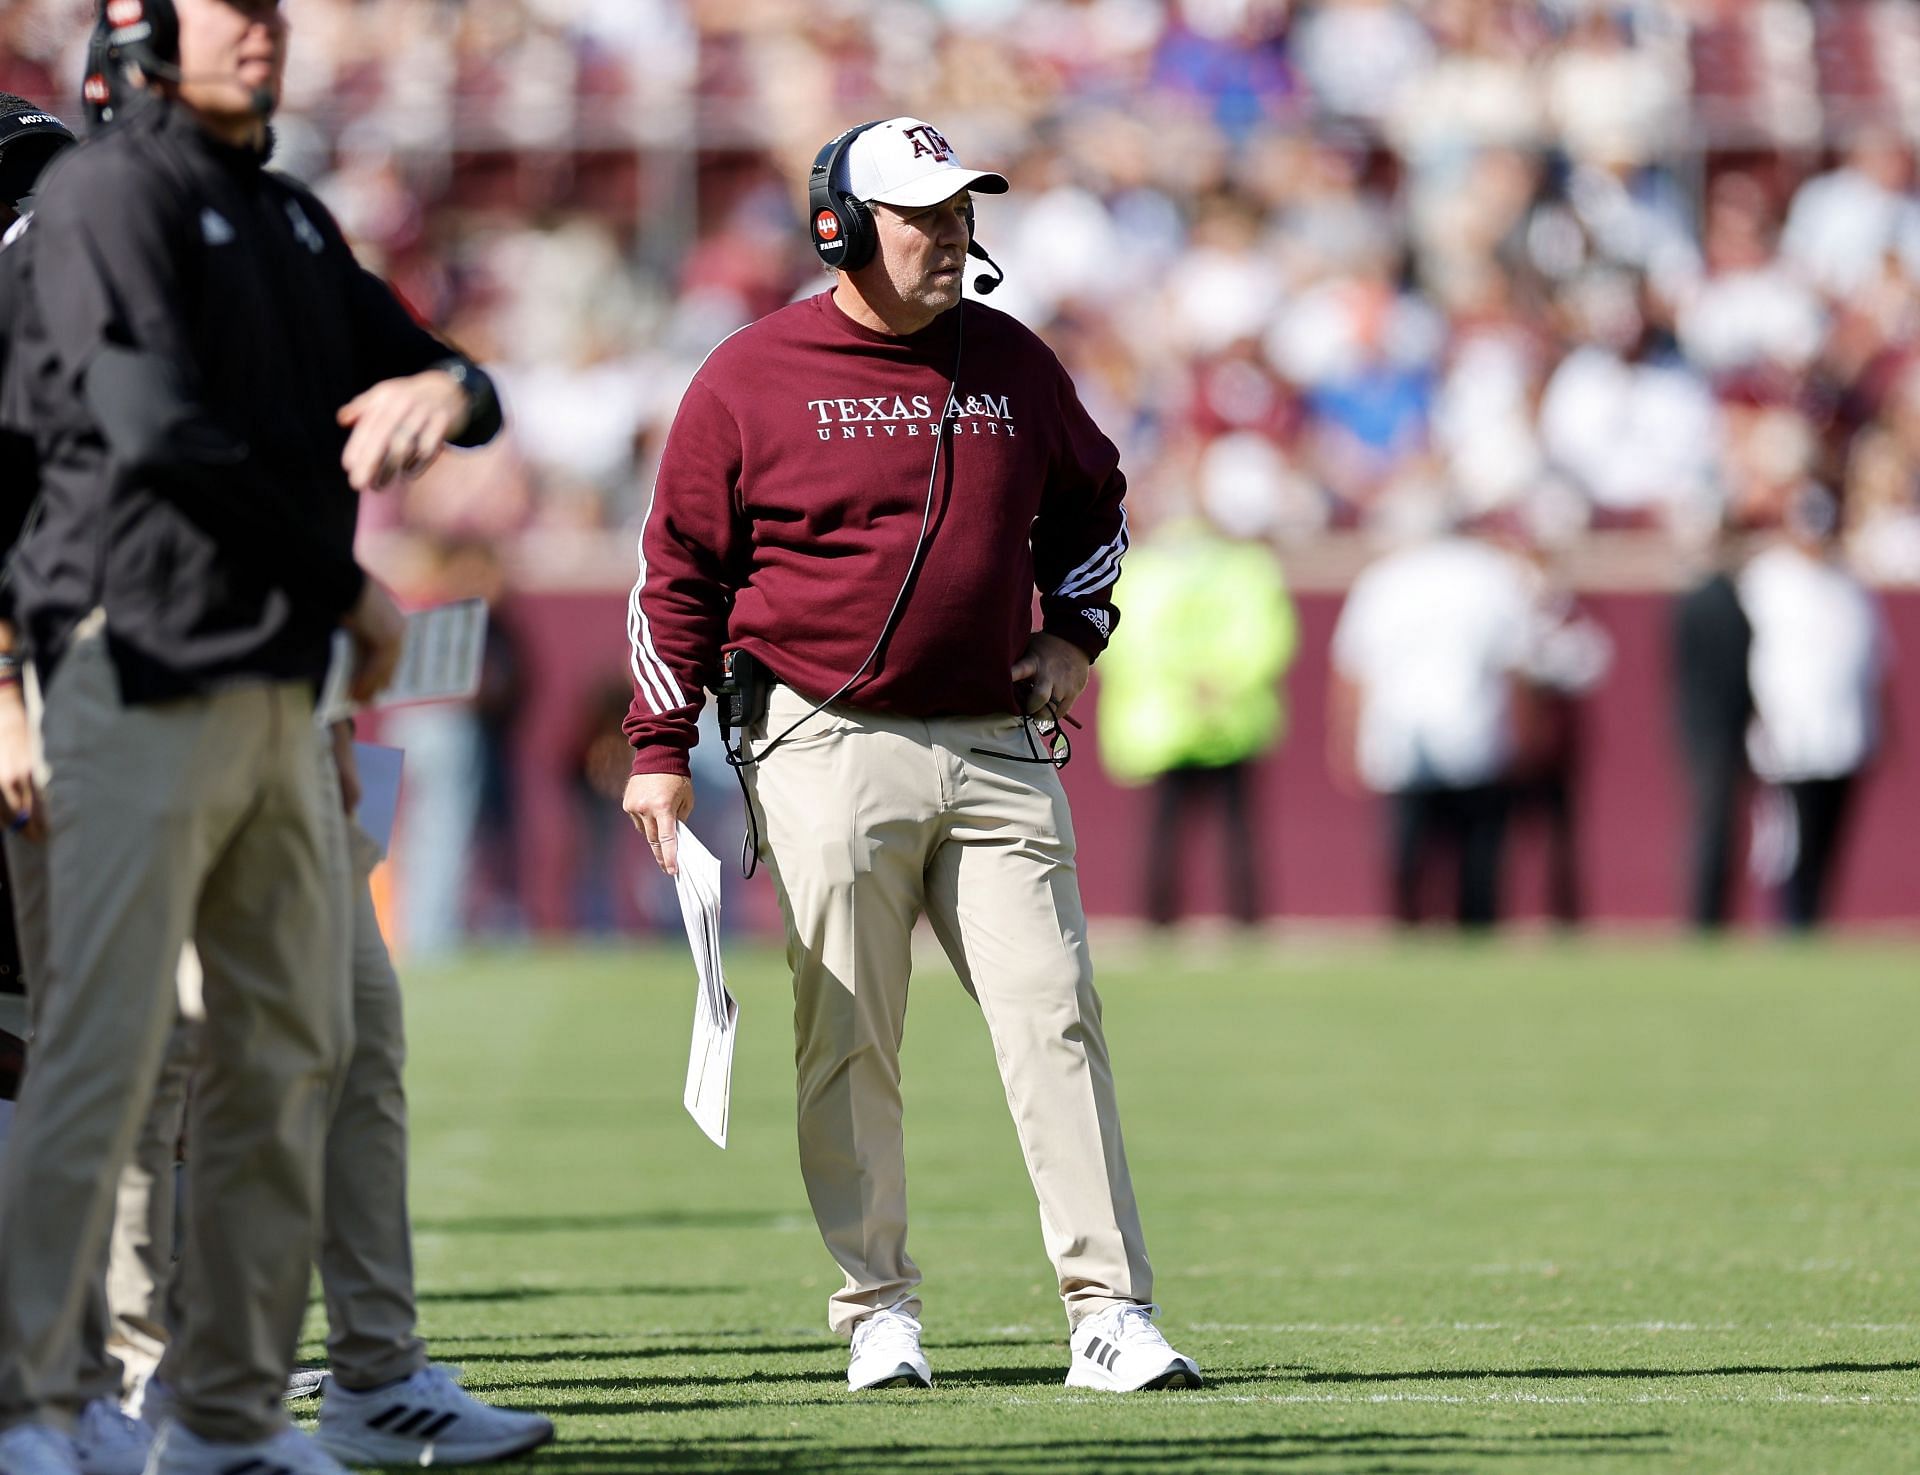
(738, 757)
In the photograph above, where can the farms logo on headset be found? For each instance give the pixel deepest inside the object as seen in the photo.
(826, 225)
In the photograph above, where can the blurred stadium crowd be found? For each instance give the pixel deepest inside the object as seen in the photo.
(1597, 264)
(1602, 276)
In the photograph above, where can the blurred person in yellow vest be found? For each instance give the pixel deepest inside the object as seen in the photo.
(1191, 691)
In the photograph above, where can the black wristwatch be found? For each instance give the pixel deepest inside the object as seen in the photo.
(477, 387)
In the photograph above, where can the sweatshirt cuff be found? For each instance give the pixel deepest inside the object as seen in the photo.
(661, 760)
(1078, 626)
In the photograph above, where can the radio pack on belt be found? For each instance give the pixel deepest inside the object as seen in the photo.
(742, 692)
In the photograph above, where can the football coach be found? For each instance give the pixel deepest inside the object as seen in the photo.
(213, 380)
(856, 501)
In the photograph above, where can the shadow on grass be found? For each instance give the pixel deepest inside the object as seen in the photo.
(1464, 1374)
(606, 1223)
(739, 1345)
(1374, 1452)
(553, 1293)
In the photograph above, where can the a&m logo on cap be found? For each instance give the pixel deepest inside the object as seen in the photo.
(929, 144)
(826, 225)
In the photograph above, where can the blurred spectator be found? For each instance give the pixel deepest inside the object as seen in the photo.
(1752, 311)
(1427, 658)
(1818, 667)
(598, 764)
(1568, 656)
(1624, 417)
(1843, 224)
(1191, 688)
(1712, 641)
(1883, 491)
(457, 815)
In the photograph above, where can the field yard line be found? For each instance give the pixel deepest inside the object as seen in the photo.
(1371, 1328)
(1451, 1399)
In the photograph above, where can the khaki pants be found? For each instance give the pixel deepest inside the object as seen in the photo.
(366, 1242)
(95, 1371)
(867, 821)
(198, 817)
(366, 1245)
(140, 1254)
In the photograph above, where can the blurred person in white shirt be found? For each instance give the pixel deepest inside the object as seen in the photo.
(1818, 668)
(1752, 310)
(1426, 658)
(1358, 55)
(1624, 416)
(1843, 223)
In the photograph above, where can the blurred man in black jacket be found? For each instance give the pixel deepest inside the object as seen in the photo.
(1711, 639)
(211, 379)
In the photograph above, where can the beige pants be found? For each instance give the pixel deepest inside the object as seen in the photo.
(866, 822)
(140, 1254)
(95, 1371)
(366, 1242)
(366, 1245)
(199, 817)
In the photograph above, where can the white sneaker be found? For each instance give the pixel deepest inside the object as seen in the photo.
(886, 1353)
(427, 1419)
(177, 1450)
(108, 1442)
(306, 1382)
(1121, 1350)
(37, 1449)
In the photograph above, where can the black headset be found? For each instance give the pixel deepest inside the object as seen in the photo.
(143, 33)
(839, 225)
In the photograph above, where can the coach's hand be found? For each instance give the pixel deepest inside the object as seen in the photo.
(377, 628)
(400, 426)
(24, 809)
(1054, 671)
(657, 803)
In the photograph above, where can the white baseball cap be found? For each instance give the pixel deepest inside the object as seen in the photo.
(907, 162)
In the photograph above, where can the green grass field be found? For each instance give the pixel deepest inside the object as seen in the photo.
(1525, 1207)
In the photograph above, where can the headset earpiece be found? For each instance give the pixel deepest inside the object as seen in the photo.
(839, 226)
(144, 34)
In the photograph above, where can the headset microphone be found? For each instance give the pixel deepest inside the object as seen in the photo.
(261, 101)
(984, 284)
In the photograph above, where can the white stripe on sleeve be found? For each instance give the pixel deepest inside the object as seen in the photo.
(1102, 569)
(650, 673)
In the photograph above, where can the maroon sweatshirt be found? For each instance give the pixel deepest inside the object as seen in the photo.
(790, 499)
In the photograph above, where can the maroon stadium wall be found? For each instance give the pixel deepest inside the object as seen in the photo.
(1324, 849)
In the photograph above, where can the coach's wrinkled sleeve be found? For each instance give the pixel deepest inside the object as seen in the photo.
(1080, 535)
(689, 551)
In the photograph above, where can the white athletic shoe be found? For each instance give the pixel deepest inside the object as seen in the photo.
(427, 1419)
(886, 1353)
(306, 1382)
(177, 1450)
(37, 1449)
(108, 1442)
(1121, 1350)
